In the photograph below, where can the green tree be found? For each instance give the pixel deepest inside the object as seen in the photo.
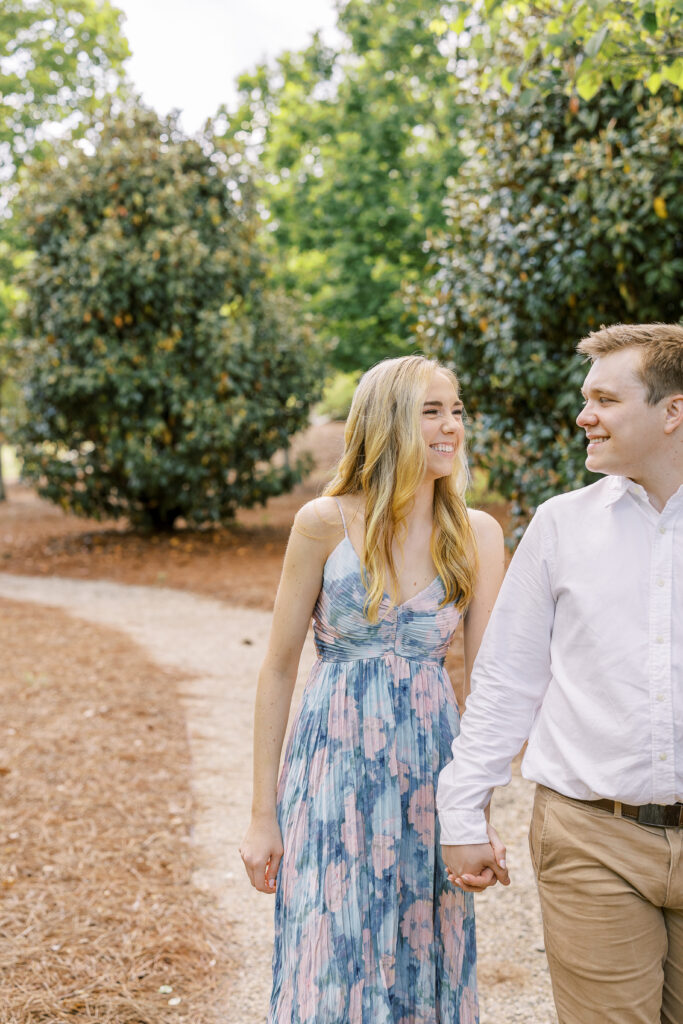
(587, 42)
(163, 375)
(58, 61)
(9, 297)
(355, 145)
(564, 218)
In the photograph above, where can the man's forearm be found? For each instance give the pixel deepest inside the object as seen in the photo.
(481, 761)
(509, 679)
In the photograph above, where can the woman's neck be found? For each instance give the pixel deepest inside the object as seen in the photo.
(423, 503)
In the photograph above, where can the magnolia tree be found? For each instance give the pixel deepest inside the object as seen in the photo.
(58, 59)
(565, 217)
(162, 373)
(590, 43)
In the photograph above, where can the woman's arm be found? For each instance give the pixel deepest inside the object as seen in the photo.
(491, 548)
(313, 536)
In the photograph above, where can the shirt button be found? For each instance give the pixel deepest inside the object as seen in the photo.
(662, 757)
(662, 529)
(660, 639)
(660, 697)
(660, 583)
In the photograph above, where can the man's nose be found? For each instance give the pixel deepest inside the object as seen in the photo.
(585, 417)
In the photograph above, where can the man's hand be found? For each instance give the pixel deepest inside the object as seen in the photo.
(475, 867)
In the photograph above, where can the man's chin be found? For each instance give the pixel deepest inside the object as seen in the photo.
(593, 466)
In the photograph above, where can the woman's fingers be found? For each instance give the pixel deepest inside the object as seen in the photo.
(255, 868)
(261, 852)
(474, 883)
(272, 868)
(477, 883)
(258, 875)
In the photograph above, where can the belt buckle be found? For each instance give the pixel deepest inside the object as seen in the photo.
(660, 815)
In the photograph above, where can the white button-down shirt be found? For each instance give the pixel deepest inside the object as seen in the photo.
(583, 656)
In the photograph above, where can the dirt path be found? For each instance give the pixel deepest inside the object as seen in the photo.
(218, 648)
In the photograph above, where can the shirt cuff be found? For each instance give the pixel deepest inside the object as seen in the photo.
(462, 827)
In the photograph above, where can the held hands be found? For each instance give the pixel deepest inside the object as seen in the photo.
(473, 867)
(261, 852)
(477, 866)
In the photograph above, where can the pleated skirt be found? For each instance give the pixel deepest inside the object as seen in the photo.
(368, 930)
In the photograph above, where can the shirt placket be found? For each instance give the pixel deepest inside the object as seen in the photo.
(660, 680)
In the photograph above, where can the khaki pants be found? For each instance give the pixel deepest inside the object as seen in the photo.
(612, 900)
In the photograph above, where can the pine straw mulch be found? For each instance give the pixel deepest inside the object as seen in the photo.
(99, 919)
(239, 562)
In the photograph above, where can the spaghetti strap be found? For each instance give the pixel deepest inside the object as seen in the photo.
(341, 513)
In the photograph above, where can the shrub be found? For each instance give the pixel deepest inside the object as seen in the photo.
(162, 374)
(338, 393)
(564, 217)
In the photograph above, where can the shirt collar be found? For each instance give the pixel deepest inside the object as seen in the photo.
(676, 500)
(618, 486)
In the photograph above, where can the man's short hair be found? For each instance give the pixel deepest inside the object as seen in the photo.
(661, 367)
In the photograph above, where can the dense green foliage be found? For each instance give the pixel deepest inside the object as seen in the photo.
(565, 217)
(588, 42)
(163, 374)
(154, 329)
(354, 148)
(58, 61)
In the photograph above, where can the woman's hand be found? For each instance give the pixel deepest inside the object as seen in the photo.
(261, 852)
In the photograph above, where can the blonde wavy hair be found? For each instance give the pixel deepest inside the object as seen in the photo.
(385, 460)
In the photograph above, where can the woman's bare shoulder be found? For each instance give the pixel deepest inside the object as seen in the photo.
(486, 529)
(319, 520)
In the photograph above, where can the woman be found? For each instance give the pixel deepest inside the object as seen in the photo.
(368, 927)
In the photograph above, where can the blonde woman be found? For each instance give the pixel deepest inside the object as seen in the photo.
(369, 930)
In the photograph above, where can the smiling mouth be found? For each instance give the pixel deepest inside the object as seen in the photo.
(596, 440)
(443, 449)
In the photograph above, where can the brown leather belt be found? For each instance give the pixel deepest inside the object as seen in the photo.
(660, 815)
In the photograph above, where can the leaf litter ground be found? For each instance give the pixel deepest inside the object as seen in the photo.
(99, 919)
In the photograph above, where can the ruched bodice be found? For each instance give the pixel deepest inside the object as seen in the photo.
(417, 629)
(368, 929)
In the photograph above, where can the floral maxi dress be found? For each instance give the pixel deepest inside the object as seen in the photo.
(368, 930)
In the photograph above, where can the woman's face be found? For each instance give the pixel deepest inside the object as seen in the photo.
(442, 425)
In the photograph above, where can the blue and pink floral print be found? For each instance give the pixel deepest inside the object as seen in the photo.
(368, 930)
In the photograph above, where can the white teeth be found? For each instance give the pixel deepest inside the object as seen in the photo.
(448, 448)
(596, 440)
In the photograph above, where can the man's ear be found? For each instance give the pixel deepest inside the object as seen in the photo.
(673, 413)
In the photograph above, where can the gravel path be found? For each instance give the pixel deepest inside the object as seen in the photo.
(219, 647)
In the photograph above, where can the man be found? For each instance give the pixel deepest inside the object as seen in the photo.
(583, 657)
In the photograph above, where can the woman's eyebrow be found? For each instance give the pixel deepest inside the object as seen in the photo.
(440, 404)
